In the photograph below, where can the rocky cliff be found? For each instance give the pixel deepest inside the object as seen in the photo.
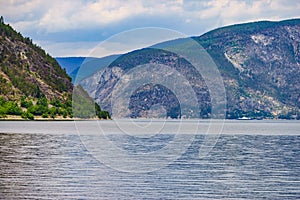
(259, 63)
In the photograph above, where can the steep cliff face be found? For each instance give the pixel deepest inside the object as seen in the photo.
(27, 70)
(146, 96)
(259, 63)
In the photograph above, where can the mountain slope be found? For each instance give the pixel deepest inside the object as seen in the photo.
(264, 61)
(26, 69)
(70, 63)
(259, 63)
(86, 66)
(32, 83)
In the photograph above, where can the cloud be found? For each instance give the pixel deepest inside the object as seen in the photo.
(67, 49)
(70, 15)
(57, 15)
(21, 9)
(226, 12)
(55, 21)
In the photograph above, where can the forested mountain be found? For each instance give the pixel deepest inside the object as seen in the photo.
(28, 70)
(32, 83)
(259, 63)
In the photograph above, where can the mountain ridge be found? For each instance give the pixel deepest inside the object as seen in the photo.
(86, 65)
(264, 60)
(258, 61)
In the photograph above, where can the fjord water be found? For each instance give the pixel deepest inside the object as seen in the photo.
(251, 159)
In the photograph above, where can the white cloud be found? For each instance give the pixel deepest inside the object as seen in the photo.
(78, 15)
(66, 49)
(226, 12)
(20, 9)
(57, 15)
(42, 18)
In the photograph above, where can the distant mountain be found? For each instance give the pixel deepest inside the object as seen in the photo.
(86, 66)
(70, 63)
(259, 63)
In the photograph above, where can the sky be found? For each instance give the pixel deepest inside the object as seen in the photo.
(76, 27)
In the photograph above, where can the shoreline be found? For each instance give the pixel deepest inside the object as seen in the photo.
(39, 118)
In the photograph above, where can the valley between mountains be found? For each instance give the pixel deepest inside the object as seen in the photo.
(259, 63)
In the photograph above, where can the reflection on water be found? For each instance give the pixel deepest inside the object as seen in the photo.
(57, 166)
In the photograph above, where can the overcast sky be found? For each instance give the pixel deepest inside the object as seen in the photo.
(74, 27)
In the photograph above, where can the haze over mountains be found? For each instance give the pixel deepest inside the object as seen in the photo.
(259, 63)
(91, 65)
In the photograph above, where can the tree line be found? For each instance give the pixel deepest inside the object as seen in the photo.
(30, 108)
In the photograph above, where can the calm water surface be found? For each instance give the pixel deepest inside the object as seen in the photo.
(251, 160)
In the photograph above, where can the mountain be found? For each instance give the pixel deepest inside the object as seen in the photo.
(85, 65)
(32, 83)
(70, 63)
(259, 63)
(28, 70)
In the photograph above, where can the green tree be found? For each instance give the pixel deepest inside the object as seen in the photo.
(42, 101)
(100, 113)
(25, 103)
(27, 115)
(12, 108)
(56, 102)
(52, 112)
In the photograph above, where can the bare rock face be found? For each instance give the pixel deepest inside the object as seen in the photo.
(263, 64)
(259, 63)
